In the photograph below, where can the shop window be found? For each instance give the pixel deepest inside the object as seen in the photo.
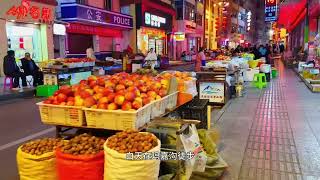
(78, 43)
(179, 13)
(199, 19)
(84, 2)
(24, 38)
(108, 4)
(189, 12)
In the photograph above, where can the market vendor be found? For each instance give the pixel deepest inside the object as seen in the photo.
(30, 68)
(151, 58)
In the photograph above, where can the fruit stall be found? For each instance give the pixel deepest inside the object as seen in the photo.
(124, 129)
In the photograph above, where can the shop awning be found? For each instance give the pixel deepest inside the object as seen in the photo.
(291, 14)
(77, 28)
(162, 6)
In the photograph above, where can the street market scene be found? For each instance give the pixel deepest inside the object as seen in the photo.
(160, 89)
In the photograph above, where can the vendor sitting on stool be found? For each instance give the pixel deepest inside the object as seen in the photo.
(30, 68)
(12, 70)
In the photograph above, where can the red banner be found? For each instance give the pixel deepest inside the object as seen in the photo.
(93, 30)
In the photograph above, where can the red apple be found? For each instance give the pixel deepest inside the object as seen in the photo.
(143, 95)
(111, 97)
(158, 97)
(120, 87)
(103, 100)
(101, 82)
(126, 106)
(91, 92)
(137, 104)
(51, 98)
(112, 106)
(128, 83)
(119, 99)
(146, 100)
(89, 101)
(129, 96)
(152, 94)
(92, 84)
(63, 103)
(84, 94)
(121, 92)
(70, 103)
(83, 82)
(107, 91)
(55, 102)
(97, 96)
(78, 101)
(62, 97)
(70, 99)
(110, 84)
(143, 88)
(92, 78)
(102, 106)
(47, 101)
(162, 92)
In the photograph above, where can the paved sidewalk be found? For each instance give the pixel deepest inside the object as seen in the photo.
(272, 134)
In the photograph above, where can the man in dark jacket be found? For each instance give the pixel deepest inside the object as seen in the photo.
(12, 70)
(30, 68)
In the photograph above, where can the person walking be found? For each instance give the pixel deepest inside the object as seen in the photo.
(30, 68)
(200, 60)
(12, 70)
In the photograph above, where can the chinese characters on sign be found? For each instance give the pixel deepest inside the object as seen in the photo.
(214, 91)
(271, 10)
(94, 15)
(154, 20)
(25, 9)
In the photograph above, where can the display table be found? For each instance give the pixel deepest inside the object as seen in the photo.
(314, 86)
(65, 76)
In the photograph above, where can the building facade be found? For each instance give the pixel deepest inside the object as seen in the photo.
(27, 27)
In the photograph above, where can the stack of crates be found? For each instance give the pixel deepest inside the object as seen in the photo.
(196, 110)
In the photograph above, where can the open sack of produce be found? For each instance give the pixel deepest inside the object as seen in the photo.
(36, 160)
(214, 164)
(81, 158)
(130, 155)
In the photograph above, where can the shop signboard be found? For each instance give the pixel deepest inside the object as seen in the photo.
(179, 36)
(271, 10)
(26, 10)
(214, 91)
(91, 15)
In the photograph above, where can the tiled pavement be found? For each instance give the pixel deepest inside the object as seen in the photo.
(273, 134)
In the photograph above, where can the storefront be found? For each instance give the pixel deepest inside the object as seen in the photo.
(93, 27)
(27, 27)
(154, 28)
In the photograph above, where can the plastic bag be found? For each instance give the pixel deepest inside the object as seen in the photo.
(81, 167)
(117, 167)
(33, 167)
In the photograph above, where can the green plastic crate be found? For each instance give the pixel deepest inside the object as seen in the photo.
(46, 90)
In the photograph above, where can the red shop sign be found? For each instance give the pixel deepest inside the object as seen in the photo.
(93, 30)
(43, 14)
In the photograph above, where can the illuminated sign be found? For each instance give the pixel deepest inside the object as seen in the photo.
(271, 10)
(154, 20)
(26, 9)
(59, 29)
(179, 36)
(86, 14)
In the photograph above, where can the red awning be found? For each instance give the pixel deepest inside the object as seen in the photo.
(164, 7)
(292, 14)
(93, 30)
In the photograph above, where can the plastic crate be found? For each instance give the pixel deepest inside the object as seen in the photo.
(197, 110)
(159, 107)
(61, 115)
(118, 119)
(46, 90)
(171, 100)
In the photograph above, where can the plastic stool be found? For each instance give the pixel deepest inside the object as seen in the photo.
(274, 73)
(5, 82)
(260, 80)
